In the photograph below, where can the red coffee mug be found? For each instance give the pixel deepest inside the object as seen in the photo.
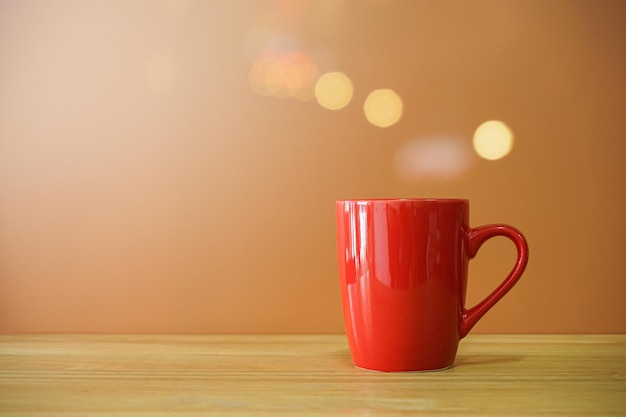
(403, 271)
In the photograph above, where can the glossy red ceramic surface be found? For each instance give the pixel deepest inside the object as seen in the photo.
(403, 271)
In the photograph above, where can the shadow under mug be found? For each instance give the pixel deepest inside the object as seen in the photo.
(403, 274)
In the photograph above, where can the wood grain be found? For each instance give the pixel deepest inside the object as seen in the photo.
(189, 375)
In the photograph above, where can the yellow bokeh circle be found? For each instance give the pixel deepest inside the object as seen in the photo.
(333, 90)
(493, 140)
(383, 107)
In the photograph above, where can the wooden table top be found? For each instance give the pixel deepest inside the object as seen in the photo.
(250, 375)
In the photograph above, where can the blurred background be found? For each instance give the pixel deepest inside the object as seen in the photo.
(172, 166)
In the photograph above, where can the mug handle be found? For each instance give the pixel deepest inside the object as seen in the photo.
(478, 236)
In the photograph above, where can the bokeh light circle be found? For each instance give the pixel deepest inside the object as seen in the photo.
(284, 74)
(493, 140)
(333, 90)
(383, 107)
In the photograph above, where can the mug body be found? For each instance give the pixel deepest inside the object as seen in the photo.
(403, 271)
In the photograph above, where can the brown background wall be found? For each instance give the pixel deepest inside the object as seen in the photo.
(145, 187)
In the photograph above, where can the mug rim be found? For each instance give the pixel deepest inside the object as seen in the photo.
(406, 200)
